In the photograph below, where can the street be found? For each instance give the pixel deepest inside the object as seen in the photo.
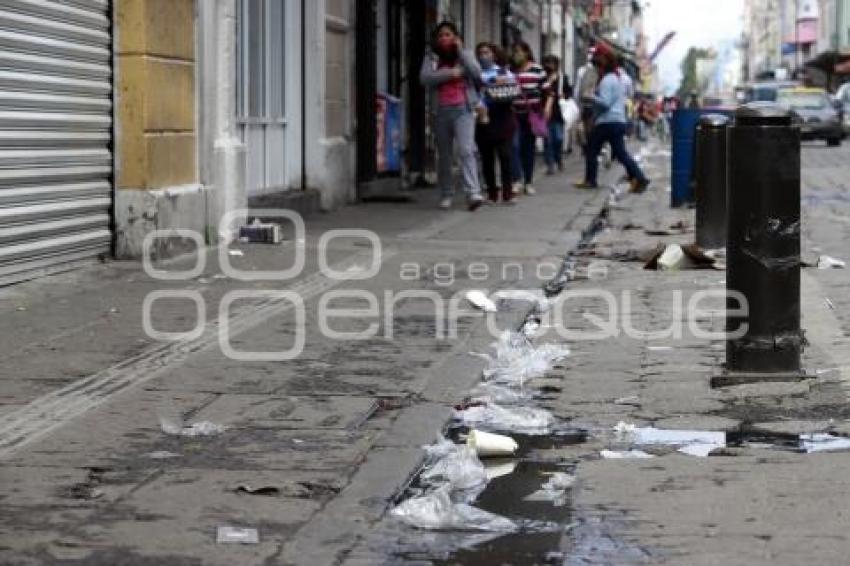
(314, 451)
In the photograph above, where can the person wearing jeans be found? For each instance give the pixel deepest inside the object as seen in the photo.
(530, 77)
(494, 133)
(453, 75)
(610, 124)
(554, 143)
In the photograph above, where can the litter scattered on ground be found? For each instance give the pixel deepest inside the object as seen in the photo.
(827, 262)
(624, 454)
(481, 301)
(261, 233)
(630, 400)
(675, 257)
(267, 490)
(823, 442)
(178, 428)
(162, 455)
(554, 490)
(499, 394)
(489, 445)
(528, 420)
(518, 360)
(659, 348)
(237, 535)
(21, 309)
(691, 442)
(437, 511)
(458, 467)
(652, 435)
(622, 428)
(237, 253)
(700, 449)
(219, 276)
(830, 305)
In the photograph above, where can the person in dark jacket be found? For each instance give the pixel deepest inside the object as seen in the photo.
(494, 133)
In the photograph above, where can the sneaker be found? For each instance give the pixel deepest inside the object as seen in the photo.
(585, 185)
(475, 202)
(529, 190)
(517, 188)
(446, 203)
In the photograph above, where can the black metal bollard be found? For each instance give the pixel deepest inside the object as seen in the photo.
(763, 246)
(711, 179)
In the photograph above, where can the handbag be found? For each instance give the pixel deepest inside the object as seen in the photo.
(536, 120)
(503, 93)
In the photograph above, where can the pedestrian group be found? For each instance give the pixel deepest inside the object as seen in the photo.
(496, 106)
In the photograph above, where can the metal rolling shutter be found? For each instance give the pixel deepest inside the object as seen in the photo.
(55, 134)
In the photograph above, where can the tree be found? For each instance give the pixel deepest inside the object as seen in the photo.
(689, 72)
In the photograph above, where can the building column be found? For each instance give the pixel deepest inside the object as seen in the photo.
(157, 185)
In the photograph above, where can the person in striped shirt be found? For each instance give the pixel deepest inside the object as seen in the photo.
(530, 77)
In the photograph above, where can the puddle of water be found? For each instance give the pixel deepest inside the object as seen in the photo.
(543, 523)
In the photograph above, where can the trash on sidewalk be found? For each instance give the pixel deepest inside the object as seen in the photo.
(178, 428)
(267, 490)
(659, 348)
(630, 400)
(488, 392)
(624, 454)
(700, 449)
(518, 360)
(436, 511)
(827, 262)
(489, 445)
(237, 253)
(162, 455)
(823, 442)
(554, 490)
(481, 301)
(459, 468)
(528, 420)
(236, 535)
(675, 257)
(259, 232)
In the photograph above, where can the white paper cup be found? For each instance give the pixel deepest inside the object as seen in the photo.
(487, 444)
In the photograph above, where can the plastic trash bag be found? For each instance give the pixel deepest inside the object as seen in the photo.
(518, 360)
(554, 490)
(528, 420)
(459, 468)
(672, 258)
(499, 394)
(436, 511)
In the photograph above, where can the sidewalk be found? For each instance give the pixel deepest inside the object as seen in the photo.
(759, 500)
(89, 476)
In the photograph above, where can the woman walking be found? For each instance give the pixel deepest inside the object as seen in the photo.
(554, 146)
(495, 130)
(530, 109)
(453, 74)
(610, 123)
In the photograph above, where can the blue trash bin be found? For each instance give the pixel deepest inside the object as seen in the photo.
(683, 134)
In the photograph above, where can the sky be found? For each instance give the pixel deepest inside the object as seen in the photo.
(697, 23)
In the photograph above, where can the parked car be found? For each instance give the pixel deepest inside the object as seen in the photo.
(814, 111)
(843, 96)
